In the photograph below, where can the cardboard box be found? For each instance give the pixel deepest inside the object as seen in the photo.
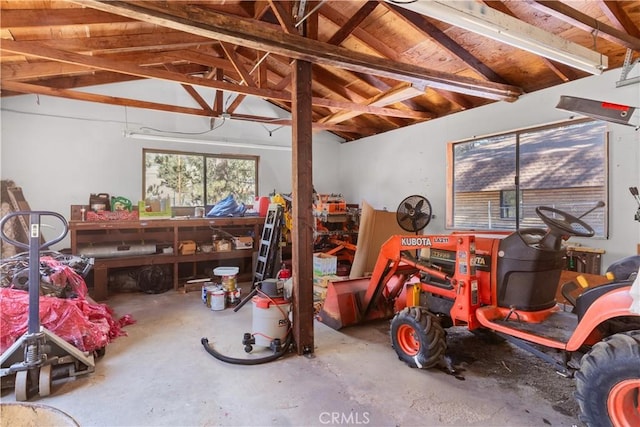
(243, 242)
(187, 247)
(222, 245)
(324, 264)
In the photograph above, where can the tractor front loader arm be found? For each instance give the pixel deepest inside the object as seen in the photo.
(350, 302)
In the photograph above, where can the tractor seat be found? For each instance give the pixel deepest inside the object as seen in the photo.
(589, 296)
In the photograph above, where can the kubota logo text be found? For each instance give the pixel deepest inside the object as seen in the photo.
(421, 241)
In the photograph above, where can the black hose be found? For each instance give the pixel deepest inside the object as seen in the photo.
(253, 292)
(243, 361)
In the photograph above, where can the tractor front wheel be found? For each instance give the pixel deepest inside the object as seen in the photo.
(418, 337)
(608, 382)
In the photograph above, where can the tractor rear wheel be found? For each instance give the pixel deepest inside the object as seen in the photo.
(608, 382)
(418, 337)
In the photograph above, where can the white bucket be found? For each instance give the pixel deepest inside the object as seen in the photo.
(226, 271)
(228, 275)
(270, 319)
(218, 300)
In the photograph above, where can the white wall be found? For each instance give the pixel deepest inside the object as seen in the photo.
(59, 151)
(386, 168)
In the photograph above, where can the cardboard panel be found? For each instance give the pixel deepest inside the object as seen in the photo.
(376, 226)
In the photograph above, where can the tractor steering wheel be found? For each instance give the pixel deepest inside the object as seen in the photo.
(564, 223)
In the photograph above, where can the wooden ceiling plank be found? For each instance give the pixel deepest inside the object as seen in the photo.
(372, 42)
(346, 29)
(20, 18)
(207, 23)
(564, 72)
(128, 43)
(446, 42)
(581, 20)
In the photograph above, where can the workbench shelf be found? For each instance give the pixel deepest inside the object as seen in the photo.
(163, 237)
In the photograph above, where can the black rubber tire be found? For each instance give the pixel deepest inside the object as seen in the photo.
(426, 345)
(608, 363)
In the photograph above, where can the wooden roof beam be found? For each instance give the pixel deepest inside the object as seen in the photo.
(396, 94)
(207, 23)
(283, 16)
(353, 23)
(132, 69)
(237, 64)
(134, 103)
(615, 13)
(192, 91)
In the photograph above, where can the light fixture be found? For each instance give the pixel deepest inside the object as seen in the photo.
(481, 19)
(222, 143)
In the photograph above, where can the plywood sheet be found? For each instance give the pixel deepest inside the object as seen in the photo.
(376, 226)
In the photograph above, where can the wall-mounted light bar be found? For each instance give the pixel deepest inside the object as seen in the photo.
(221, 143)
(481, 19)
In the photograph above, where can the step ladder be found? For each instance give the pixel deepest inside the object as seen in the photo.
(269, 243)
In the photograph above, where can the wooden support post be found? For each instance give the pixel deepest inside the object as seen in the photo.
(302, 185)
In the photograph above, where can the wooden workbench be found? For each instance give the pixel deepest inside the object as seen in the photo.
(166, 235)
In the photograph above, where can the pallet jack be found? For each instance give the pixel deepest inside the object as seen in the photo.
(38, 356)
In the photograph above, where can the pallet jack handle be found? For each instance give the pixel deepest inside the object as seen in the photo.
(34, 248)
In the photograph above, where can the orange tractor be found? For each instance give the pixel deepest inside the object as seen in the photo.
(505, 283)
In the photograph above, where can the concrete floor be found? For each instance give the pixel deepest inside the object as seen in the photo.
(160, 375)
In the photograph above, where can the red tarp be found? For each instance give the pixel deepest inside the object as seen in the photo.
(87, 325)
